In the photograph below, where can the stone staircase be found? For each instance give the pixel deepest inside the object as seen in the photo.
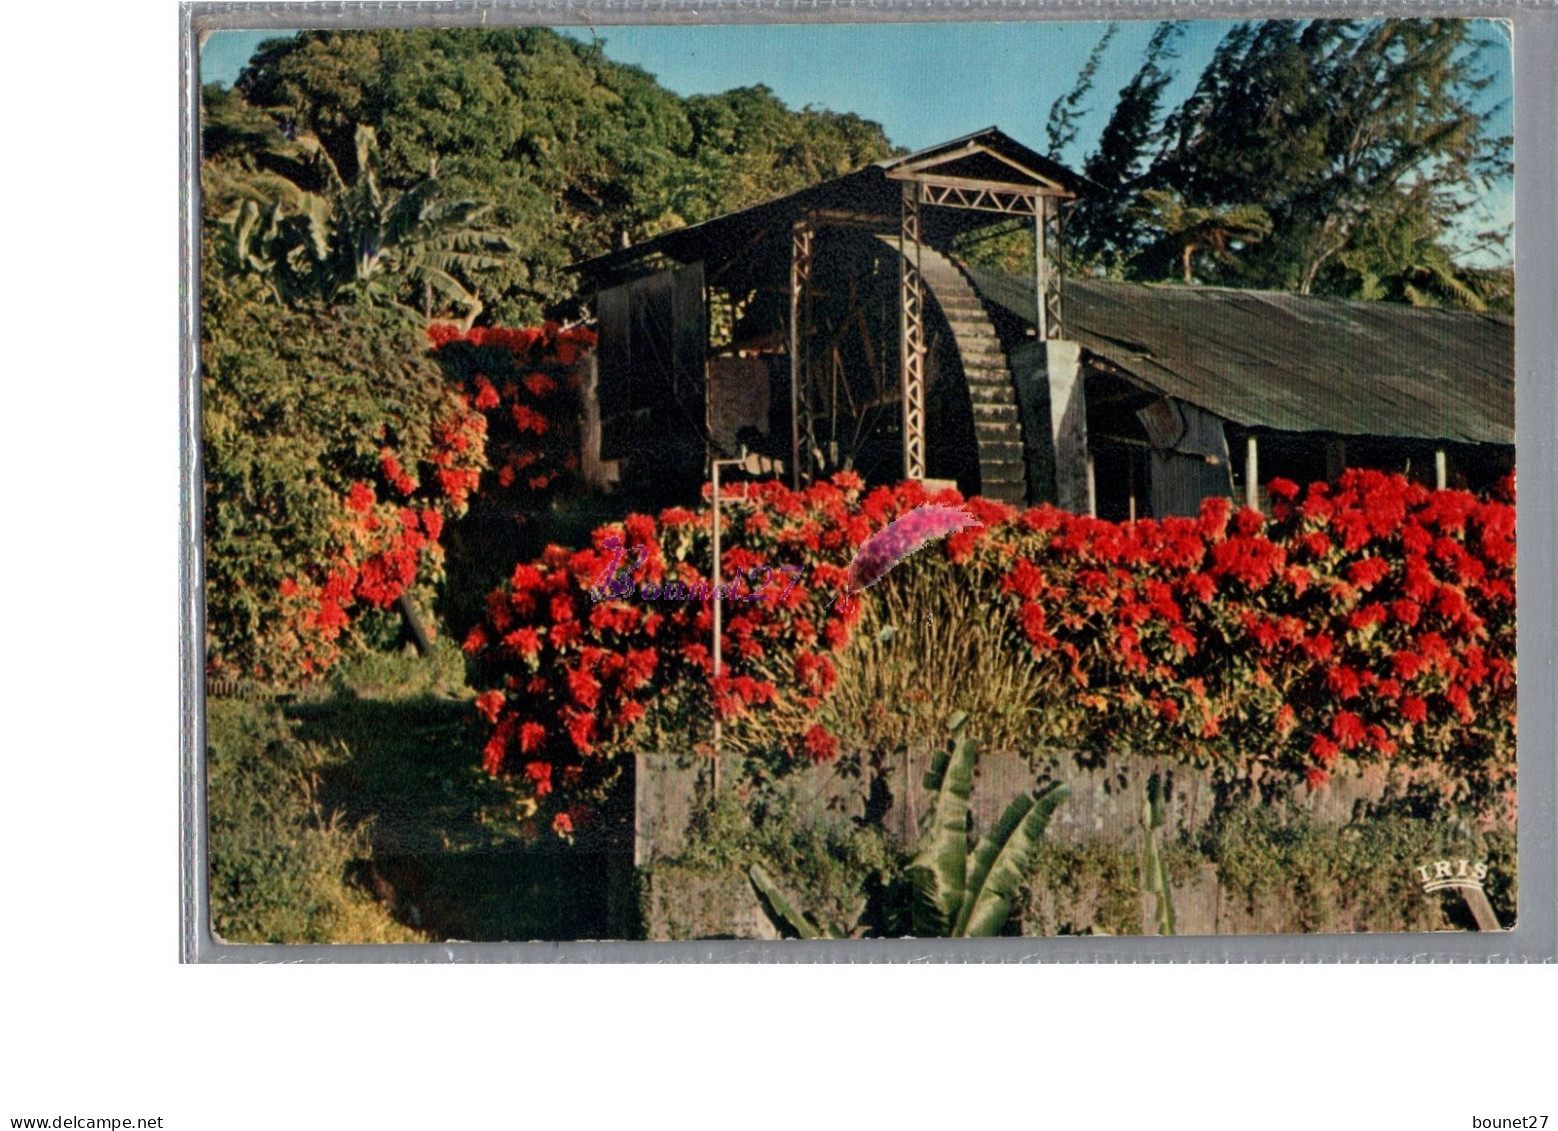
(997, 426)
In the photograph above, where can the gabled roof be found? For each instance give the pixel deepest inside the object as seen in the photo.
(991, 155)
(987, 154)
(1295, 363)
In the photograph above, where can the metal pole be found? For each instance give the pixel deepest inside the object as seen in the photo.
(714, 596)
(1251, 474)
(1040, 296)
(911, 334)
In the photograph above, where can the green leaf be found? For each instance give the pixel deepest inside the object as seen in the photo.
(778, 908)
(993, 903)
(938, 869)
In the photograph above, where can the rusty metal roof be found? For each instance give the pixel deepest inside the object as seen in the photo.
(1295, 363)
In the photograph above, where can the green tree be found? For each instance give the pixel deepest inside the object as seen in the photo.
(1106, 228)
(1191, 232)
(1066, 112)
(298, 402)
(577, 154)
(1324, 156)
(293, 219)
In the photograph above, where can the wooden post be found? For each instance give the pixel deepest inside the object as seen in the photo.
(800, 279)
(1251, 473)
(1441, 469)
(413, 623)
(1092, 488)
(1335, 458)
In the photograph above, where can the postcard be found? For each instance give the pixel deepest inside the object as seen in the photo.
(858, 481)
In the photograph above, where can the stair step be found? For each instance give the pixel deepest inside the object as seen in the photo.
(975, 325)
(995, 412)
(993, 473)
(1002, 451)
(996, 432)
(991, 386)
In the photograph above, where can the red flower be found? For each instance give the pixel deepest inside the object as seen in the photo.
(540, 776)
(531, 737)
(1407, 665)
(361, 498)
(1368, 572)
(524, 641)
(486, 395)
(820, 745)
(1284, 490)
(490, 704)
(562, 824)
(1347, 729)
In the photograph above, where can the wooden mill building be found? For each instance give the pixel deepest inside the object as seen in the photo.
(836, 327)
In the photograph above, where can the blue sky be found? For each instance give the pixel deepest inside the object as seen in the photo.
(924, 82)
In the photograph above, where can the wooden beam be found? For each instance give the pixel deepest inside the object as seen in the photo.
(1014, 187)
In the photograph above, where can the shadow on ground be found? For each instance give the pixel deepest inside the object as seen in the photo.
(449, 855)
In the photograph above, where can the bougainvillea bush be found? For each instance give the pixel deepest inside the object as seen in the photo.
(334, 449)
(1370, 620)
(339, 442)
(527, 383)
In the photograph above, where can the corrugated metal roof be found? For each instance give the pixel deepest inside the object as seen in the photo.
(1296, 363)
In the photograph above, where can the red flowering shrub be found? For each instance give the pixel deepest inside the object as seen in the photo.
(336, 450)
(1372, 620)
(527, 383)
(579, 676)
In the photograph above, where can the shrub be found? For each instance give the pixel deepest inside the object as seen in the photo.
(337, 448)
(278, 864)
(1371, 620)
(334, 451)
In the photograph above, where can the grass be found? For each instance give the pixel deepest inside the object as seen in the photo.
(280, 857)
(362, 814)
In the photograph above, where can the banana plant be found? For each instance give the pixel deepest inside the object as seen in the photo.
(782, 913)
(958, 894)
(954, 893)
(1155, 877)
(351, 237)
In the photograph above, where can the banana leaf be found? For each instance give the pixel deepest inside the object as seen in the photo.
(992, 898)
(780, 912)
(937, 871)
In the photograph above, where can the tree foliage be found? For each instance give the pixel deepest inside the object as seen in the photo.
(292, 219)
(576, 153)
(304, 409)
(1361, 142)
